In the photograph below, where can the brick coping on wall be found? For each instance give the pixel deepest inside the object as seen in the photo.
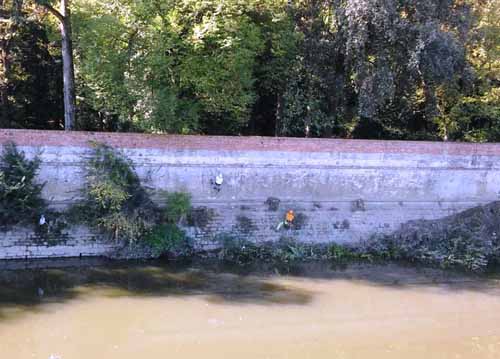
(233, 143)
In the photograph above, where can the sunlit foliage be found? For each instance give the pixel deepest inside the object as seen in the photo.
(406, 69)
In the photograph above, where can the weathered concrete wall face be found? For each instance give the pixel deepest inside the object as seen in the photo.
(20, 243)
(343, 190)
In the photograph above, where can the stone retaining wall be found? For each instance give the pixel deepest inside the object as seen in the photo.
(343, 190)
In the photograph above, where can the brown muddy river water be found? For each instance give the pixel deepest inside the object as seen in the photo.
(153, 310)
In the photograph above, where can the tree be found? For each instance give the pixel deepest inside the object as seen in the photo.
(474, 115)
(308, 101)
(182, 67)
(30, 69)
(64, 18)
(406, 69)
(9, 13)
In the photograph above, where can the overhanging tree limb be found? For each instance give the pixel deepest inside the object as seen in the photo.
(52, 10)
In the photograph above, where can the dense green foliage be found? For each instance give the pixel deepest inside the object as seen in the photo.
(167, 236)
(241, 251)
(115, 203)
(408, 69)
(20, 195)
(178, 206)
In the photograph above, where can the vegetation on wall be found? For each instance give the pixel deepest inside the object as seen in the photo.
(21, 199)
(242, 251)
(469, 240)
(167, 236)
(285, 251)
(116, 204)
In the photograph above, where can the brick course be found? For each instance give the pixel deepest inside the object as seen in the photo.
(231, 143)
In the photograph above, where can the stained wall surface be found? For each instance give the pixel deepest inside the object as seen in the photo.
(340, 190)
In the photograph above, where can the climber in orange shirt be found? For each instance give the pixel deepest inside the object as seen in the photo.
(289, 217)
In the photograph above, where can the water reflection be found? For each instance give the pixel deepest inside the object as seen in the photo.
(103, 309)
(31, 284)
(32, 287)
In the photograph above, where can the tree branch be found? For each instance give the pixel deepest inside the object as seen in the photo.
(52, 10)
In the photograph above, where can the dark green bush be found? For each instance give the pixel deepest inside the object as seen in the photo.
(178, 206)
(339, 252)
(20, 195)
(286, 250)
(239, 251)
(167, 236)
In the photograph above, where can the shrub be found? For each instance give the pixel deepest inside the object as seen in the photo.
(240, 251)
(286, 250)
(340, 252)
(167, 236)
(20, 196)
(469, 240)
(178, 206)
(114, 201)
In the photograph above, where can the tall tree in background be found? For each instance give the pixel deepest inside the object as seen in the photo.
(392, 69)
(169, 66)
(30, 69)
(474, 115)
(373, 68)
(9, 14)
(63, 15)
(311, 101)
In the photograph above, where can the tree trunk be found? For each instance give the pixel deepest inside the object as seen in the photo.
(68, 67)
(8, 27)
(4, 101)
(278, 113)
